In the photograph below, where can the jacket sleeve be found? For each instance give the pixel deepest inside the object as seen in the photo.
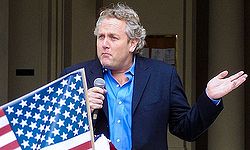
(188, 122)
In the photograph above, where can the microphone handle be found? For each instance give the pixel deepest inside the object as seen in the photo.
(94, 116)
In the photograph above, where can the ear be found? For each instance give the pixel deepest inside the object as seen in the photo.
(133, 43)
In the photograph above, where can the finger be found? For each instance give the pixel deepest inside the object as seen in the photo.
(96, 101)
(95, 106)
(236, 76)
(96, 96)
(97, 90)
(240, 80)
(222, 75)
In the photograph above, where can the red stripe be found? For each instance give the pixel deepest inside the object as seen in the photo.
(1, 112)
(12, 145)
(5, 129)
(84, 146)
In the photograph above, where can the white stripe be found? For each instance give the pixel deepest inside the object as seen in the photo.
(19, 148)
(70, 143)
(3, 121)
(7, 138)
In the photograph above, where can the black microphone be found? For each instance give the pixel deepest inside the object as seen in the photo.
(98, 82)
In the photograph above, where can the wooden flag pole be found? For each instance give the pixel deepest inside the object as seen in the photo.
(88, 109)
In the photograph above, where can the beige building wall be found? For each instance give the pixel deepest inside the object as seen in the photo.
(4, 22)
(83, 23)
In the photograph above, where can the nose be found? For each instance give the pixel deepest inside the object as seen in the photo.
(105, 43)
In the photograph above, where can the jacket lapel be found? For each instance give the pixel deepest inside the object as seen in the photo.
(142, 74)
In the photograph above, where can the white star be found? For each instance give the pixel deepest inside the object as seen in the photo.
(73, 118)
(71, 106)
(66, 114)
(80, 123)
(32, 105)
(53, 100)
(50, 109)
(73, 86)
(24, 123)
(80, 90)
(10, 109)
(28, 114)
(19, 132)
(45, 118)
(41, 128)
(86, 127)
(78, 110)
(36, 97)
(28, 134)
(45, 99)
(23, 103)
(42, 138)
(33, 125)
(69, 127)
(34, 146)
(59, 91)
(77, 78)
(64, 136)
(62, 102)
(60, 123)
(57, 111)
(55, 132)
(38, 136)
(46, 128)
(25, 144)
(14, 121)
(64, 82)
(41, 108)
(83, 102)
(84, 114)
(19, 112)
(50, 141)
(52, 119)
(37, 116)
(50, 90)
(75, 132)
(76, 98)
(67, 94)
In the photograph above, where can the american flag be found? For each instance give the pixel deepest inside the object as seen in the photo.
(51, 117)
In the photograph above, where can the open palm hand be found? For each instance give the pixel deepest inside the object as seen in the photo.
(220, 86)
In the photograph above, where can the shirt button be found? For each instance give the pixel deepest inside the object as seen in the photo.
(120, 102)
(117, 85)
(118, 140)
(118, 121)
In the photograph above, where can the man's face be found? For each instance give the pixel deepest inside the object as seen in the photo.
(114, 49)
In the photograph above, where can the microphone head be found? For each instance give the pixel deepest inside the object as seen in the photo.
(99, 82)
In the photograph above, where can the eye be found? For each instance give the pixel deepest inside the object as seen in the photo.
(114, 38)
(101, 37)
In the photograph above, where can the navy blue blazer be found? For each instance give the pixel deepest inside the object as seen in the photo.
(158, 102)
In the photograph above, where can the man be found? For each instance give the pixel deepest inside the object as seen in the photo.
(143, 96)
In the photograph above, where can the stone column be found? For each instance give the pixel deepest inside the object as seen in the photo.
(226, 51)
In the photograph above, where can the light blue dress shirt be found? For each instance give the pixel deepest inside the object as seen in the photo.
(119, 106)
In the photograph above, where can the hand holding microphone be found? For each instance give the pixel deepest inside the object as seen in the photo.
(96, 96)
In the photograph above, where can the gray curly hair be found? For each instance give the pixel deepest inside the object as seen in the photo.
(134, 29)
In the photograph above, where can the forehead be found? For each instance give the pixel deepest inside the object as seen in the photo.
(112, 25)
